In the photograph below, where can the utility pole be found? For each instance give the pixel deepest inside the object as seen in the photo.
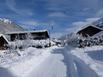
(51, 26)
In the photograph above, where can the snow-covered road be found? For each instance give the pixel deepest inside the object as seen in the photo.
(51, 67)
(54, 62)
(61, 63)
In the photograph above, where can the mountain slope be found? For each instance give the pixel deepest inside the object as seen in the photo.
(98, 23)
(7, 25)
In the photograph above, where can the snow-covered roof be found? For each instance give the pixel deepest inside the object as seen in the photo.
(88, 26)
(98, 23)
(1, 35)
(17, 32)
(89, 30)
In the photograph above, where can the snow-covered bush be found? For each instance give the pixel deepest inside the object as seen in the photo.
(23, 44)
(71, 39)
(56, 42)
(87, 42)
(76, 40)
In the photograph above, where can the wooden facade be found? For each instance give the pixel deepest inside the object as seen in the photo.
(89, 31)
(23, 35)
(3, 42)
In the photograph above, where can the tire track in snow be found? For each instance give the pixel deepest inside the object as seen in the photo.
(83, 69)
(51, 67)
(61, 63)
(68, 61)
(75, 66)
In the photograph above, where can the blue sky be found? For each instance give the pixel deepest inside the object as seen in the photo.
(41, 14)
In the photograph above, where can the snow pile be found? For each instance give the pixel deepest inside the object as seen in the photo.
(22, 65)
(42, 43)
(9, 57)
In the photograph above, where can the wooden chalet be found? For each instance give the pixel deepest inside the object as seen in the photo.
(23, 35)
(89, 31)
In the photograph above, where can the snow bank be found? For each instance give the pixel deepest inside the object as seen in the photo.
(88, 55)
(22, 65)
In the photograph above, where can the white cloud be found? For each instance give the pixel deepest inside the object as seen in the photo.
(99, 13)
(71, 29)
(12, 6)
(90, 3)
(80, 23)
(56, 35)
(77, 25)
(57, 14)
(91, 19)
(33, 23)
(79, 7)
(30, 23)
(87, 21)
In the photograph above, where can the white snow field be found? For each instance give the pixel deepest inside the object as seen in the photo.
(55, 62)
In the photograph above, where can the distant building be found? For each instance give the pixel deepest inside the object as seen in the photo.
(89, 31)
(22, 35)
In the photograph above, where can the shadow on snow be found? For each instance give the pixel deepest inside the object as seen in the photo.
(5, 73)
(97, 55)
